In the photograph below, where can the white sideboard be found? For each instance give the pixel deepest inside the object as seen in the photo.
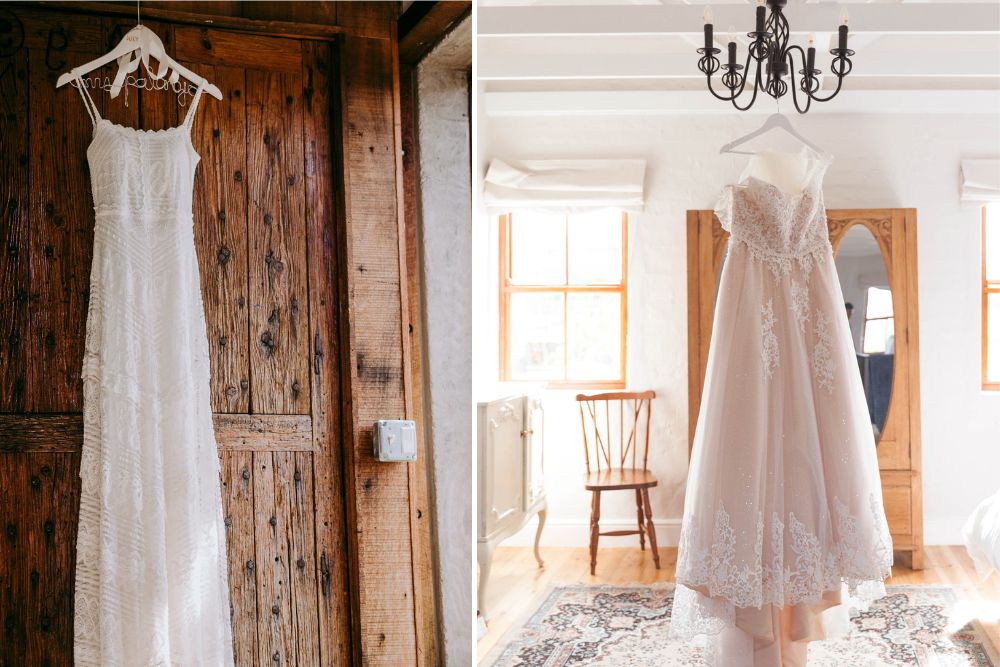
(511, 476)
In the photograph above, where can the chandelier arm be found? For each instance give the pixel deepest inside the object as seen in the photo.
(718, 96)
(840, 82)
(756, 88)
(791, 79)
(743, 84)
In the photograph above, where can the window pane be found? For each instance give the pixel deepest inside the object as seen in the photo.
(536, 336)
(879, 303)
(879, 337)
(538, 249)
(993, 337)
(595, 248)
(593, 336)
(991, 241)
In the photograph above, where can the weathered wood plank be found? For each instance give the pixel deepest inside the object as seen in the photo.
(273, 604)
(378, 494)
(15, 338)
(303, 558)
(62, 222)
(423, 24)
(65, 33)
(237, 504)
(368, 19)
(215, 7)
(277, 254)
(225, 48)
(13, 559)
(220, 204)
(298, 12)
(324, 238)
(50, 515)
(420, 515)
(64, 433)
(181, 14)
(294, 511)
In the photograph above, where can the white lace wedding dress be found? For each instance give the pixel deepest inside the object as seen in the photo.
(784, 503)
(151, 585)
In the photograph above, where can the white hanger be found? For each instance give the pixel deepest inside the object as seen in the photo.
(145, 41)
(774, 121)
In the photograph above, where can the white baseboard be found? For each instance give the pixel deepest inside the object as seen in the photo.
(576, 533)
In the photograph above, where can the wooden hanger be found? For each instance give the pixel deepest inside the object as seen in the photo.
(145, 41)
(774, 121)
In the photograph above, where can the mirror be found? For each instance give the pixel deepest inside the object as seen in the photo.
(868, 302)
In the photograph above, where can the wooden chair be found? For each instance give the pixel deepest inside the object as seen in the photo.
(618, 464)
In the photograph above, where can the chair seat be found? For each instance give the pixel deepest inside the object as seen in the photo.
(612, 480)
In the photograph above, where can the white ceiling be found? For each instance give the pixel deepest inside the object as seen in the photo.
(579, 56)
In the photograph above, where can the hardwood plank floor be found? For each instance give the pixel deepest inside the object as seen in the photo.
(518, 586)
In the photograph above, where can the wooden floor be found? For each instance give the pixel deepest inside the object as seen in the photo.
(517, 586)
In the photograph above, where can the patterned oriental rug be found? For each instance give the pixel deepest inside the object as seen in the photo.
(620, 626)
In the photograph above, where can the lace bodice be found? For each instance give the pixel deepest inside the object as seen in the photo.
(142, 170)
(774, 226)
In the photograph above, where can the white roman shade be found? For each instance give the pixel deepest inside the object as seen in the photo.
(564, 185)
(980, 181)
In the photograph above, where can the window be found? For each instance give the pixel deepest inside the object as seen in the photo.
(879, 333)
(991, 297)
(563, 298)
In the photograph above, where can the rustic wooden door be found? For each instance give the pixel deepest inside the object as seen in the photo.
(263, 212)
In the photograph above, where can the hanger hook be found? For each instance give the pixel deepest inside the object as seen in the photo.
(138, 19)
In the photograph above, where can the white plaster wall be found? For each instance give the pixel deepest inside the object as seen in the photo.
(445, 212)
(881, 161)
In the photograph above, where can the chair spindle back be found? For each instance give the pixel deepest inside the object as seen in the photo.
(605, 416)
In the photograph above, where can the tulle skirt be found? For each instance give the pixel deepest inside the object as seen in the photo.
(783, 511)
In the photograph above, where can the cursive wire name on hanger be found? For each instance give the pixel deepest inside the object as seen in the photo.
(182, 89)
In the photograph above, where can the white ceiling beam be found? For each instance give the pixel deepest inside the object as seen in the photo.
(600, 66)
(627, 103)
(679, 19)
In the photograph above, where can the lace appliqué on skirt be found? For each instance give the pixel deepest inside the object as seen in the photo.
(768, 341)
(796, 568)
(800, 304)
(822, 353)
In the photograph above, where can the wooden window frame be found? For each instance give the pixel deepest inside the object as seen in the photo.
(864, 324)
(989, 287)
(507, 288)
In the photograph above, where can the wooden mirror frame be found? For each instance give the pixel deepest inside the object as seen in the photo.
(895, 232)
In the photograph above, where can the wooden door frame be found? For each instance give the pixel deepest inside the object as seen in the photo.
(895, 232)
(367, 316)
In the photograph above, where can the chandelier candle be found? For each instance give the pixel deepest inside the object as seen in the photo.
(708, 29)
(842, 31)
(708, 63)
(770, 62)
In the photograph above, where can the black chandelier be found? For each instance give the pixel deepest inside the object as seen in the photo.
(774, 61)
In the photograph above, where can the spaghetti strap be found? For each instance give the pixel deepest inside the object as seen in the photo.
(88, 101)
(189, 118)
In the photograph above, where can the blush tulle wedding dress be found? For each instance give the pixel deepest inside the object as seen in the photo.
(783, 513)
(151, 585)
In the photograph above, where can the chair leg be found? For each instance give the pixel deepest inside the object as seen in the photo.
(638, 511)
(650, 531)
(595, 518)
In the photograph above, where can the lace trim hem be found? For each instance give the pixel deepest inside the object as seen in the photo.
(798, 574)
